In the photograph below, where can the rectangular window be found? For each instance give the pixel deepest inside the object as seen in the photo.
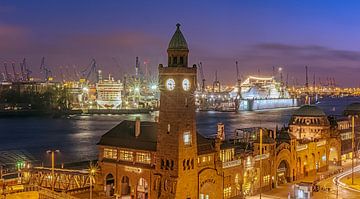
(187, 138)
(266, 180)
(126, 155)
(110, 153)
(143, 157)
(227, 192)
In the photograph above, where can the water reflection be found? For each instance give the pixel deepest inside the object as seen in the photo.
(77, 136)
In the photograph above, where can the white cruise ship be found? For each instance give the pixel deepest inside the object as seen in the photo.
(108, 93)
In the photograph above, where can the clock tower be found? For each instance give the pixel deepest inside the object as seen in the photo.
(175, 174)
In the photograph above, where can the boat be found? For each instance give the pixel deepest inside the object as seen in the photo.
(258, 93)
(108, 93)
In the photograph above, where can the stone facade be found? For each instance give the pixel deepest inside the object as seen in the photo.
(170, 159)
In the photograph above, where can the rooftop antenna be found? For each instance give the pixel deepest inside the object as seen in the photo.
(287, 80)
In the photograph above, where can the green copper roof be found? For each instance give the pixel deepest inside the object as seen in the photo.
(309, 110)
(178, 41)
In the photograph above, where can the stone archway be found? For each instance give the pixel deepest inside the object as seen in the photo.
(283, 167)
(125, 186)
(283, 173)
(142, 189)
(109, 185)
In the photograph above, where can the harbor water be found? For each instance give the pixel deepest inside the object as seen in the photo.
(76, 137)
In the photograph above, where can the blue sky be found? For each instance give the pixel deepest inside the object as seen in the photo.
(322, 34)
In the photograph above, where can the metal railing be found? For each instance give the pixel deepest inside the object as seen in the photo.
(43, 193)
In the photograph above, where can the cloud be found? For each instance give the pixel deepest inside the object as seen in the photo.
(11, 38)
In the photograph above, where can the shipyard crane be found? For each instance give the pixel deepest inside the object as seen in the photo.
(91, 69)
(306, 78)
(202, 77)
(14, 71)
(26, 69)
(45, 70)
(238, 79)
(238, 85)
(7, 75)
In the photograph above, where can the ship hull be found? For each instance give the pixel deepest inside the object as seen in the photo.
(261, 104)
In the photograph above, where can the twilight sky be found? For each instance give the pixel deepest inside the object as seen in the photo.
(323, 34)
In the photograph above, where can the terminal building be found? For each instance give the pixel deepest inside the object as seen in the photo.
(169, 158)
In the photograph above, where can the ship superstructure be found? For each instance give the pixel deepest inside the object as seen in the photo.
(108, 93)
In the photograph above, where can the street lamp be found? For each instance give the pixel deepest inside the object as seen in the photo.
(352, 111)
(93, 169)
(52, 152)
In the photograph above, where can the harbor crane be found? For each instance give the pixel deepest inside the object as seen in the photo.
(46, 71)
(7, 75)
(202, 77)
(14, 71)
(90, 70)
(25, 70)
(238, 85)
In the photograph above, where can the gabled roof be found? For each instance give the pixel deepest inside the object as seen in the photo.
(123, 136)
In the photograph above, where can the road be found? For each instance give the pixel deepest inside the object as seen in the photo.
(329, 190)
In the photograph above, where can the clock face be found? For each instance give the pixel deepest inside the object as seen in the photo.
(170, 84)
(186, 84)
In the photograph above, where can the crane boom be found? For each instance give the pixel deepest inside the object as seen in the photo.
(14, 71)
(202, 77)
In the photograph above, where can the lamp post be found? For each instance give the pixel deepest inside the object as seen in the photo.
(52, 152)
(261, 133)
(93, 169)
(352, 147)
(352, 110)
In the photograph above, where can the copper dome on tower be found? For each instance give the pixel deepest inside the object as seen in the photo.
(310, 111)
(178, 41)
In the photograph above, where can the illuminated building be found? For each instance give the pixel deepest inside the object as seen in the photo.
(168, 158)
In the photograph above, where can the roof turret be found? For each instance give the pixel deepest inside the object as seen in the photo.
(178, 41)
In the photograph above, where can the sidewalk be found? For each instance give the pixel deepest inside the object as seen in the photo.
(323, 178)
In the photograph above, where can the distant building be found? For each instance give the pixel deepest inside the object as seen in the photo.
(168, 158)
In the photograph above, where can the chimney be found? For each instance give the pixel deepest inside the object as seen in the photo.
(220, 131)
(137, 127)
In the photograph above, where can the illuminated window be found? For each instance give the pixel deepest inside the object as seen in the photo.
(143, 158)
(187, 138)
(126, 155)
(227, 192)
(266, 180)
(110, 153)
(227, 155)
(203, 196)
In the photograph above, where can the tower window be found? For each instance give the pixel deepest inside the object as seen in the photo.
(168, 129)
(181, 60)
(175, 60)
(187, 138)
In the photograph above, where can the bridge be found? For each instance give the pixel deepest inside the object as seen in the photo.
(65, 180)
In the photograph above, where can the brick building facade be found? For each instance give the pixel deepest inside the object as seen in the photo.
(169, 158)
